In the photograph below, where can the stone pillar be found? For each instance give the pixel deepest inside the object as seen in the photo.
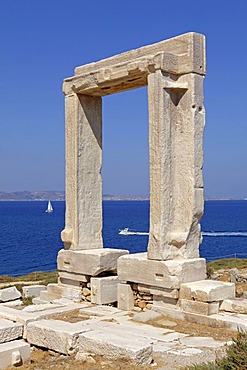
(176, 121)
(83, 223)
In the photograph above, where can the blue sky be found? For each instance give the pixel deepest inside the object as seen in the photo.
(43, 41)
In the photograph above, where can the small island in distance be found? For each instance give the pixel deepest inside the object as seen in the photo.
(60, 196)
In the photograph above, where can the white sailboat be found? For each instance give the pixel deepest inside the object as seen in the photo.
(49, 207)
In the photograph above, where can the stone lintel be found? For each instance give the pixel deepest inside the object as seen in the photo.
(207, 291)
(167, 274)
(89, 262)
(129, 70)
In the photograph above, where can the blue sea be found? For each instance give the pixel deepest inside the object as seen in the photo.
(30, 238)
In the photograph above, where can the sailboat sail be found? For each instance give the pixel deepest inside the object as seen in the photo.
(49, 207)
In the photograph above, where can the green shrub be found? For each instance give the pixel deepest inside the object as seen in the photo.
(236, 358)
(27, 301)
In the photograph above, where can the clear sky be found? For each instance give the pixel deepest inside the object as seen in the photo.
(41, 42)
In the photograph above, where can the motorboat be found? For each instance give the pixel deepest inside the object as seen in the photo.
(127, 231)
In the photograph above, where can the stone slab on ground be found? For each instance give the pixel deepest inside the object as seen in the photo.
(135, 329)
(100, 310)
(15, 303)
(38, 300)
(62, 291)
(201, 342)
(32, 290)
(14, 353)
(9, 294)
(207, 290)
(146, 316)
(89, 262)
(18, 316)
(57, 335)
(10, 330)
(104, 289)
(168, 274)
(48, 297)
(236, 305)
(41, 307)
(24, 317)
(229, 321)
(114, 346)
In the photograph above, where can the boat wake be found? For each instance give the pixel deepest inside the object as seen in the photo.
(224, 233)
(127, 231)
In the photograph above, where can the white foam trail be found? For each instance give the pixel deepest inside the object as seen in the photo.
(224, 233)
(204, 233)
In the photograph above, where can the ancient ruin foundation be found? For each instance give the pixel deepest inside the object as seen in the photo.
(173, 71)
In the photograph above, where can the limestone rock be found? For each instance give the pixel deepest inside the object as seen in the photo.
(207, 291)
(32, 290)
(200, 308)
(59, 336)
(236, 305)
(9, 330)
(9, 294)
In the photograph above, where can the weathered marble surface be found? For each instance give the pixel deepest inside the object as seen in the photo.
(173, 70)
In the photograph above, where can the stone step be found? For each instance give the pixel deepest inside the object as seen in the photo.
(117, 345)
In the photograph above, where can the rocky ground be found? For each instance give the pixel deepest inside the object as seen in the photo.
(49, 360)
(42, 359)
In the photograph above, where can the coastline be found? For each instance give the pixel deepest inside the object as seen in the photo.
(58, 195)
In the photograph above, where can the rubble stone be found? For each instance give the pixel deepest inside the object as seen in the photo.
(9, 294)
(207, 290)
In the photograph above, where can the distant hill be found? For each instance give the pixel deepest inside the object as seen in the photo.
(32, 195)
(60, 195)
